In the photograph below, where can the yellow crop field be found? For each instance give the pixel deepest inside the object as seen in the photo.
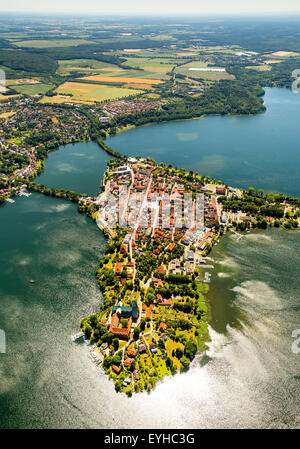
(7, 114)
(59, 99)
(93, 92)
(284, 54)
(7, 97)
(120, 79)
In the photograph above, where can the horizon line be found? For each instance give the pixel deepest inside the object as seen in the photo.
(193, 14)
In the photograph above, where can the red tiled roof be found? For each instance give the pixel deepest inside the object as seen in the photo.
(171, 247)
(162, 326)
(131, 352)
(116, 369)
(168, 302)
(158, 282)
(118, 267)
(114, 322)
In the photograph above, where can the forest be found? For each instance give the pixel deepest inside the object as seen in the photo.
(24, 60)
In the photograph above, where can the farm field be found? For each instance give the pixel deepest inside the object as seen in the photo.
(59, 99)
(260, 68)
(184, 69)
(219, 49)
(149, 53)
(120, 79)
(48, 43)
(93, 67)
(21, 81)
(7, 97)
(284, 54)
(187, 53)
(94, 92)
(7, 114)
(85, 65)
(209, 75)
(156, 64)
(33, 89)
(272, 61)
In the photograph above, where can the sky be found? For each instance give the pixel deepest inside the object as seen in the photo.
(163, 7)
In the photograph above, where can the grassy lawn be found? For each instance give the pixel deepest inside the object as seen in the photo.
(170, 346)
(94, 92)
(33, 89)
(94, 215)
(160, 365)
(152, 70)
(86, 66)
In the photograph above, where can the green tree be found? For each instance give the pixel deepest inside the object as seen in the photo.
(136, 333)
(115, 344)
(185, 363)
(179, 353)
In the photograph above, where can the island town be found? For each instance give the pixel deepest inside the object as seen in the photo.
(161, 223)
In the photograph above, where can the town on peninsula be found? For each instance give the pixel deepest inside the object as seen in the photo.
(161, 221)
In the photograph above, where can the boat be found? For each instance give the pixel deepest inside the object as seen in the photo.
(86, 340)
(31, 281)
(9, 200)
(207, 277)
(24, 193)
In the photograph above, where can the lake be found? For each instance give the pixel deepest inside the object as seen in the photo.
(249, 376)
(262, 151)
(77, 167)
